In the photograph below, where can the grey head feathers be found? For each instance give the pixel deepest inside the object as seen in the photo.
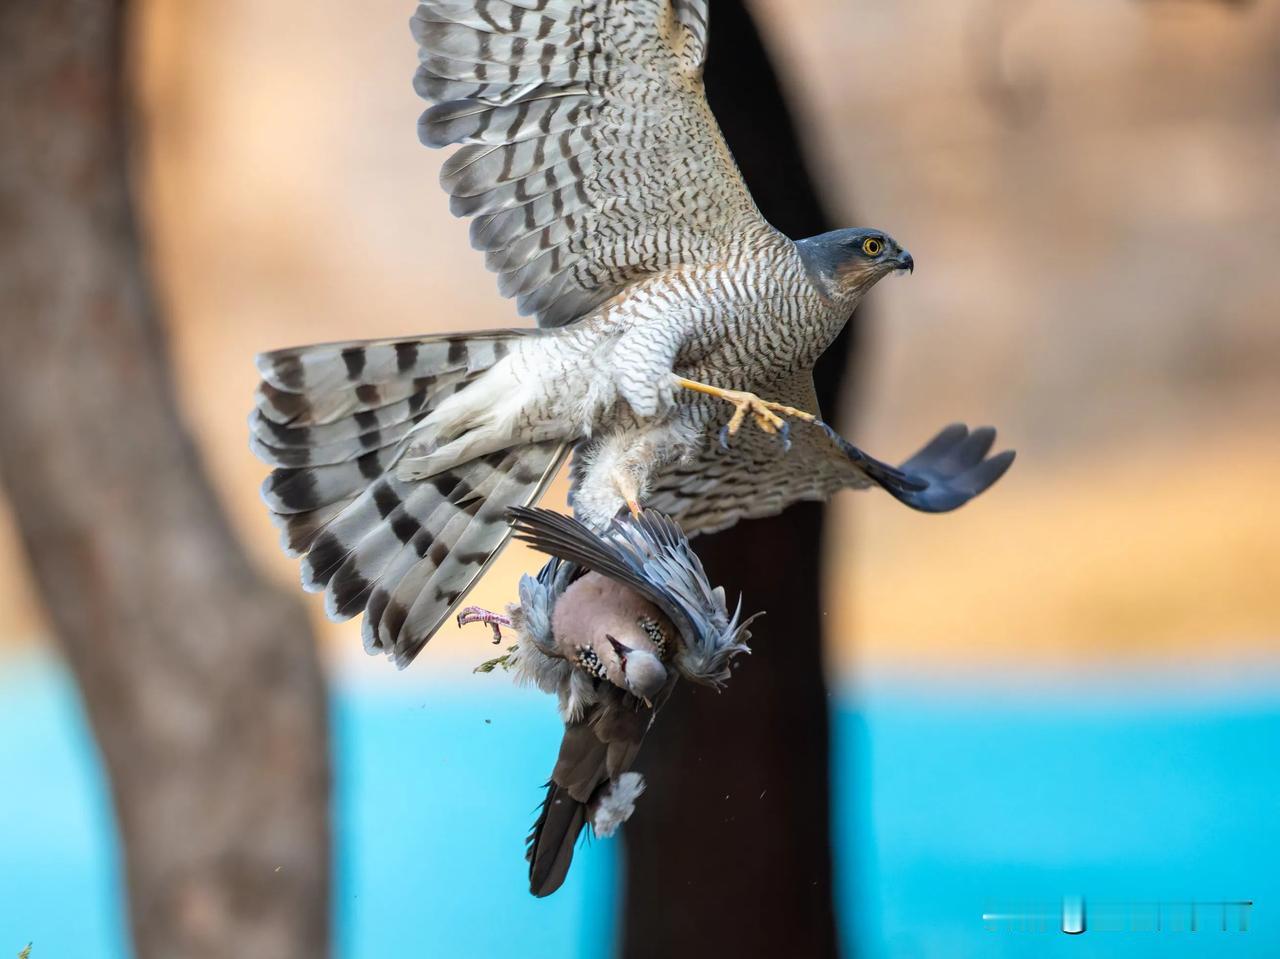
(844, 262)
(642, 670)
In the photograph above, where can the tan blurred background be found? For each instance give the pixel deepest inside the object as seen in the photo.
(1088, 187)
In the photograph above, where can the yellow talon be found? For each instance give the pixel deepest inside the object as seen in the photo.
(744, 403)
(764, 413)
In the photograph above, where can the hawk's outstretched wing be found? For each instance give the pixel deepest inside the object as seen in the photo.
(757, 476)
(590, 156)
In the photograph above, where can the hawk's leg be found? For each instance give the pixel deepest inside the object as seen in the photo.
(615, 469)
(768, 416)
(474, 614)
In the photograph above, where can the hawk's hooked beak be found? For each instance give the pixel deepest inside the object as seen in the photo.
(903, 261)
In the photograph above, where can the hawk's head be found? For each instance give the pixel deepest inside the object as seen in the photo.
(845, 264)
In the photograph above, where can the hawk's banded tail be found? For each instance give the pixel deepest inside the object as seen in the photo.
(333, 420)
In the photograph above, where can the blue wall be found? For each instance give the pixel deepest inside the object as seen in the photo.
(948, 801)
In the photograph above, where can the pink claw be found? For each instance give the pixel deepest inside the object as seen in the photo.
(474, 614)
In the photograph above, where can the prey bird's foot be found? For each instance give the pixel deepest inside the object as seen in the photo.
(474, 614)
(768, 416)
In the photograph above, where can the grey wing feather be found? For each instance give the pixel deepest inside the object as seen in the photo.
(758, 475)
(651, 555)
(538, 599)
(587, 150)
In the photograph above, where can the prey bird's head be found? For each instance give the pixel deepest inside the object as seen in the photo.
(844, 264)
(643, 673)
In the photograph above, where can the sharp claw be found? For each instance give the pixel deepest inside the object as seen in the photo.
(724, 437)
(474, 614)
(785, 434)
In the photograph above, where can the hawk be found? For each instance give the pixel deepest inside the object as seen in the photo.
(608, 625)
(669, 313)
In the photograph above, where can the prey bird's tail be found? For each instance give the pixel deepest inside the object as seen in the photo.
(334, 420)
(591, 783)
(550, 853)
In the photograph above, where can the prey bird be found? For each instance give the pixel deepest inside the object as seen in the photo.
(669, 314)
(608, 625)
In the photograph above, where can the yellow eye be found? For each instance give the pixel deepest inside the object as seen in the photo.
(871, 246)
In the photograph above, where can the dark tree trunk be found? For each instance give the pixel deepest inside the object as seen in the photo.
(201, 681)
(729, 854)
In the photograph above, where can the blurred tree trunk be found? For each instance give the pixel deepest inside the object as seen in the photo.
(729, 854)
(201, 681)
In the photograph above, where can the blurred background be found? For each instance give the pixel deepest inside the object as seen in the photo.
(1070, 686)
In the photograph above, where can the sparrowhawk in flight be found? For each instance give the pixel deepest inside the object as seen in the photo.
(669, 314)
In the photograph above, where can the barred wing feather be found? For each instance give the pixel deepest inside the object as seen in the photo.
(588, 154)
(757, 475)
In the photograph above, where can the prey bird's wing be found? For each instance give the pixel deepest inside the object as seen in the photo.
(589, 155)
(538, 596)
(758, 475)
(651, 555)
